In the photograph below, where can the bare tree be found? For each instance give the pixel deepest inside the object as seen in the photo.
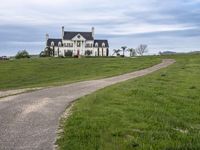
(142, 48)
(132, 52)
(124, 49)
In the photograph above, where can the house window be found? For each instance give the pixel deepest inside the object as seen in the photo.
(88, 45)
(78, 44)
(96, 44)
(103, 44)
(52, 43)
(59, 44)
(69, 44)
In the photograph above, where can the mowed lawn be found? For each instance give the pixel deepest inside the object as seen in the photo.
(160, 111)
(56, 71)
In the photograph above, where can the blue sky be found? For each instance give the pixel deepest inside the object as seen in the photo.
(163, 25)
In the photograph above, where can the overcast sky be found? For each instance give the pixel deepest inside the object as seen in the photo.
(163, 25)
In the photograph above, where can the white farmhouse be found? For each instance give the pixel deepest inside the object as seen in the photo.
(77, 44)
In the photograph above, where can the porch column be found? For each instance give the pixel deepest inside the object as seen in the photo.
(83, 49)
(75, 47)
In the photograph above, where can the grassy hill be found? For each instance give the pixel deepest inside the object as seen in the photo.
(55, 71)
(160, 111)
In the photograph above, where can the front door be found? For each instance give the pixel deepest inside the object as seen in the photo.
(78, 52)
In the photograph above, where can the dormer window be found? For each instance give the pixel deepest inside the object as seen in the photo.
(52, 43)
(96, 44)
(103, 45)
(59, 44)
(78, 36)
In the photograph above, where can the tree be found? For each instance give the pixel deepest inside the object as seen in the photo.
(124, 49)
(117, 52)
(142, 48)
(132, 52)
(22, 54)
(107, 52)
(43, 54)
(47, 52)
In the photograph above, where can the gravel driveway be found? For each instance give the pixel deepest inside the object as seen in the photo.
(29, 121)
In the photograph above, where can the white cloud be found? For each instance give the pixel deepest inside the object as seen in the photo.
(73, 13)
(110, 17)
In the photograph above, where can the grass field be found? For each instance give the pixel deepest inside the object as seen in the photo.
(56, 71)
(158, 112)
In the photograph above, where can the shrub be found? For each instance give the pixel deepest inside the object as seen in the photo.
(61, 57)
(76, 56)
(22, 54)
(88, 53)
(118, 54)
(68, 53)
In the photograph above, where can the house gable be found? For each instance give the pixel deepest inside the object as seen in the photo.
(78, 37)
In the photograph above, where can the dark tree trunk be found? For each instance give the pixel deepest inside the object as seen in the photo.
(98, 51)
(102, 51)
(107, 52)
(53, 51)
(58, 51)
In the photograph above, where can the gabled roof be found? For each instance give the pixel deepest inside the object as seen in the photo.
(70, 35)
(100, 42)
(56, 41)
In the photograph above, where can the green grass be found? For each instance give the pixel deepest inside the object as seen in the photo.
(56, 71)
(160, 111)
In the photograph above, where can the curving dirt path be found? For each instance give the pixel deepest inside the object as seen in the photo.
(29, 121)
(16, 92)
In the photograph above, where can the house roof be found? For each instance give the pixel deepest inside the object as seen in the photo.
(69, 35)
(100, 42)
(56, 41)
